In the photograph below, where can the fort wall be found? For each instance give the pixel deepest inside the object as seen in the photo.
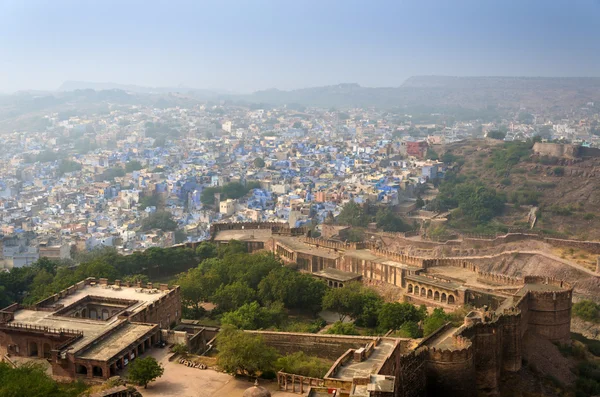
(451, 372)
(330, 347)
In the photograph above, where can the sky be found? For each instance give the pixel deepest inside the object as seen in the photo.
(243, 45)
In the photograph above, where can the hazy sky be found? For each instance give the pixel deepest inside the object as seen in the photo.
(248, 45)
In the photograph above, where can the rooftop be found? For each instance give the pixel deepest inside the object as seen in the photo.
(335, 274)
(369, 366)
(91, 328)
(116, 341)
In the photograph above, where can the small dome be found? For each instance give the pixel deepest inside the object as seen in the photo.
(256, 391)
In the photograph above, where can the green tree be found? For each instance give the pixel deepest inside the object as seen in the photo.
(353, 214)
(394, 315)
(144, 370)
(162, 220)
(390, 222)
(231, 297)
(434, 321)
(341, 328)
(301, 364)
(409, 329)
(133, 165)
(295, 290)
(587, 310)
(135, 278)
(431, 154)
(500, 135)
(346, 301)
(244, 353)
(31, 380)
(68, 166)
(254, 316)
(149, 201)
(259, 162)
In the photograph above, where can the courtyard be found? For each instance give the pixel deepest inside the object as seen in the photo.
(181, 381)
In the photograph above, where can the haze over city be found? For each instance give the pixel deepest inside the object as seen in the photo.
(293, 198)
(243, 46)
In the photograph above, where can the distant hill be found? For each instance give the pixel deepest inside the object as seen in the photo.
(449, 92)
(86, 85)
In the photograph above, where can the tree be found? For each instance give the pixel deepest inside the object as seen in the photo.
(346, 301)
(144, 370)
(500, 135)
(241, 352)
(68, 166)
(133, 165)
(149, 201)
(390, 222)
(162, 220)
(431, 154)
(232, 296)
(300, 364)
(434, 321)
(31, 380)
(394, 315)
(409, 329)
(295, 290)
(259, 162)
(340, 328)
(587, 310)
(353, 214)
(254, 316)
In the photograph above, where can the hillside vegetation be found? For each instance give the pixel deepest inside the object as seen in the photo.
(497, 183)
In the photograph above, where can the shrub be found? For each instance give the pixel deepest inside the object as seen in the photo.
(558, 171)
(587, 310)
(340, 328)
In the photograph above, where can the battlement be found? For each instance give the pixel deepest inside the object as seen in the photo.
(333, 244)
(398, 257)
(495, 278)
(548, 281)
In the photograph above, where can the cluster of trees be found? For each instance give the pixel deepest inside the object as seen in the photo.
(162, 220)
(114, 172)
(43, 157)
(476, 202)
(354, 214)
(508, 155)
(32, 380)
(45, 277)
(368, 309)
(233, 190)
(68, 166)
(243, 353)
(587, 310)
(133, 165)
(249, 291)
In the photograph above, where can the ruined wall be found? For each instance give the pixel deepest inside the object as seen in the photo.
(330, 347)
(451, 372)
(560, 150)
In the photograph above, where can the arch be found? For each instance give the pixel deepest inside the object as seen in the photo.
(341, 285)
(76, 314)
(33, 349)
(429, 294)
(423, 291)
(81, 369)
(93, 314)
(451, 299)
(410, 288)
(436, 296)
(97, 371)
(443, 298)
(47, 349)
(416, 290)
(84, 313)
(105, 314)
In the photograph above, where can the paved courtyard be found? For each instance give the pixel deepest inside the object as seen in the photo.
(181, 381)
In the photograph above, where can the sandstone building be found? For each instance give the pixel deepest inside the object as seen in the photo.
(454, 361)
(92, 329)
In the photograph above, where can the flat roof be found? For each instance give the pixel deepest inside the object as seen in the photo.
(336, 274)
(296, 244)
(243, 235)
(116, 341)
(370, 256)
(91, 328)
(433, 282)
(369, 366)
